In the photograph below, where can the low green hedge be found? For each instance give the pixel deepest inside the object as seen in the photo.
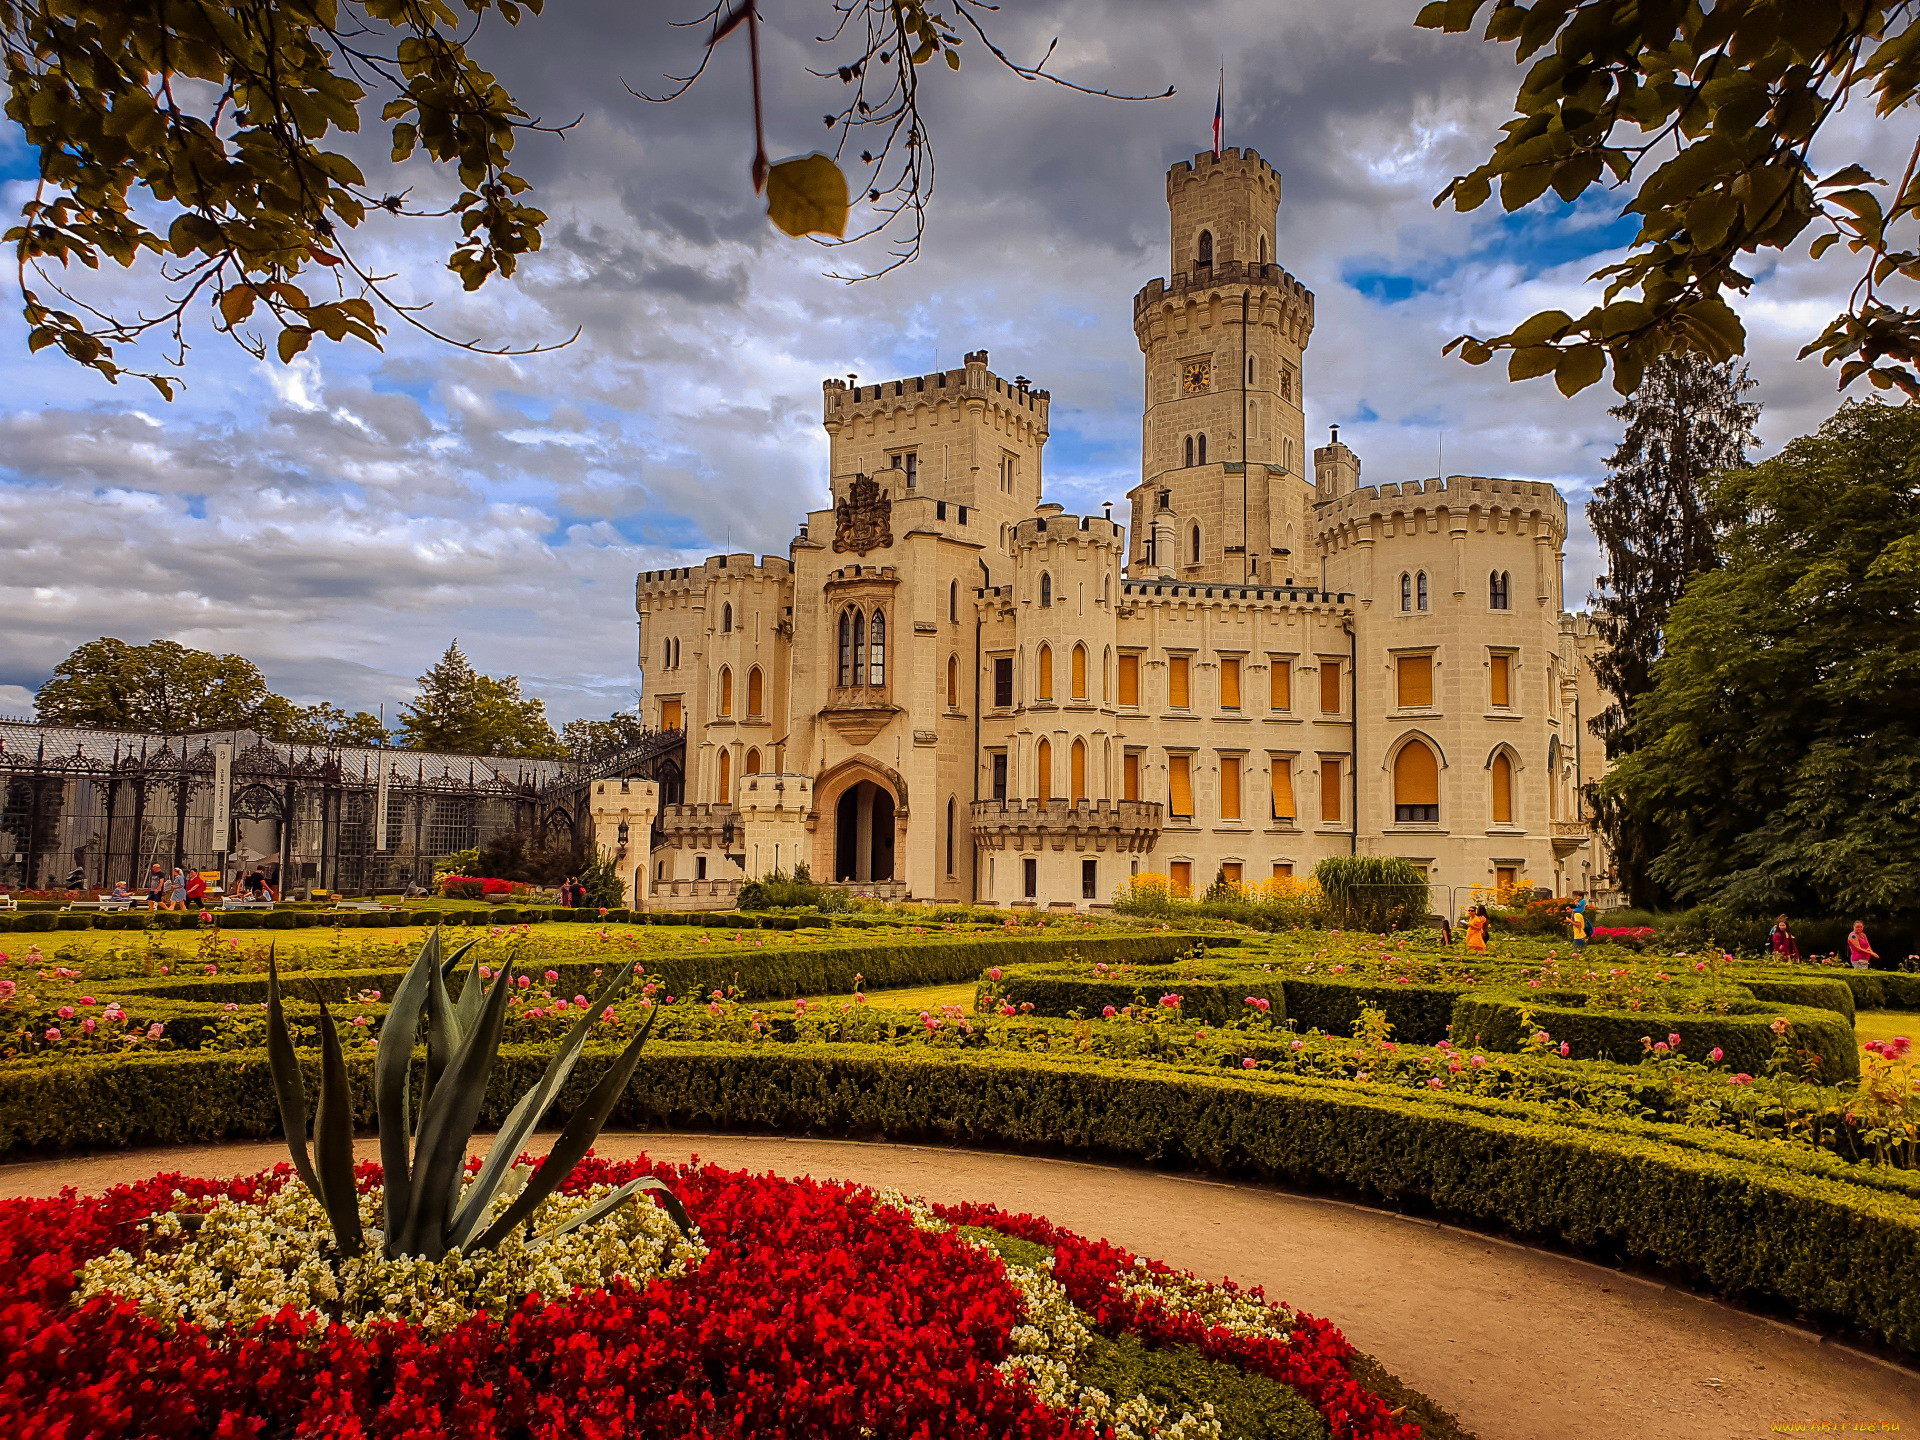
(1743, 1218)
(1495, 1022)
(1819, 993)
(771, 974)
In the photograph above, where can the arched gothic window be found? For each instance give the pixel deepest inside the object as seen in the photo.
(1263, 249)
(1206, 247)
(1501, 770)
(1189, 452)
(953, 682)
(1043, 772)
(953, 601)
(726, 619)
(1420, 589)
(752, 764)
(1046, 589)
(1250, 371)
(1406, 591)
(1500, 590)
(1043, 674)
(1416, 783)
(846, 648)
(1193, 544)
(726, 691)
(666, 654)
(951, 808)
(1200, 449)
(724, 790)
(756, 694)
(1079, 672)
(1077, 772)
(877, 656)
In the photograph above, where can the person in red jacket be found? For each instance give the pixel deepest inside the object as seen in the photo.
(196, 888)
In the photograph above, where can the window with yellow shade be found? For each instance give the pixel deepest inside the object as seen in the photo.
(1501, 771)
(1330, 807)
(1283, 869)
(1180, 786)
(1416, 784)
(1130, 776)
(1179, 682)
(1043, 772)
(1229, 682)
(1329, 685)
(670, 717)
(1230, 766)
(1077, 772)
(1180, 872)
(1079, 672)
(1233, 872)
(726, 691)
(1279, 683)
(1282, 787)
(1500, 680)
(756, 693)
(1413, 680)
(1129, 679)
(723, 789)
(1043, 676)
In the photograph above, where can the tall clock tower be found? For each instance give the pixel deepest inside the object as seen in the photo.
(1224, 495)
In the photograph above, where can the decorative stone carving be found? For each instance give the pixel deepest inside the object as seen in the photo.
(863, 521)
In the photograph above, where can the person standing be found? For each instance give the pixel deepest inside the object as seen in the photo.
(1578, 920)
(1477, 922)
(196, 888)
(1781, 942)
(156, 888)
(1860, 951)
(177, 889)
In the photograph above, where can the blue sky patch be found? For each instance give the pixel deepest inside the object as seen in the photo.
(1542, 237)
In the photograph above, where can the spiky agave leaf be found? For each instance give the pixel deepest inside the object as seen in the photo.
(527, 1113)
(392, 1080)
(607, 1204)
(447, 1119)
(333, 1141)
(582, 1128)
(288, 1088)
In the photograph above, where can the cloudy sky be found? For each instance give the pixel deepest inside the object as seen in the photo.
(341, 519)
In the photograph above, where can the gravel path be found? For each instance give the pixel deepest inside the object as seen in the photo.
(1520, 1343)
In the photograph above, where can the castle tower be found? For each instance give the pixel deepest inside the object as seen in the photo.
(1223, 448)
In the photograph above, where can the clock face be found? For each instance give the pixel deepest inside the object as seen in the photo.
(1196, 376)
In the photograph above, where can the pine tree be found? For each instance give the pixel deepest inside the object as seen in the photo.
(1656, 530)
(461, 711)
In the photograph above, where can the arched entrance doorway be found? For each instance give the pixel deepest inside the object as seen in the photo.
(863, 833)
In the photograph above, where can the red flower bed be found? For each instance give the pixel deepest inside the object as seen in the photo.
(820, 1312)
(475, 887)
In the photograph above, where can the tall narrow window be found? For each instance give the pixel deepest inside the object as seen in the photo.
(1330, 807)
(1279, 683)
(726, 691)
(1129, 679)
(1079, 672)
(1180, 786)
(1043, 674)
(1500, 681)
(877, 655)
(1502, 769)
(953, 682)
(1281, 787)
(1329, 685)
(1090, 879)
(1229, 787)
(1193, 545)
(1200, 448)
(953, 601)
(726, 619)
(1043, 771)
(1420, 590)
(751, 765)
(1002, 681)
(1414, 681)
(724, 790)
(950, 826)
(1106, 676)
(1499, 590)
(1077, 772)
(1406, 590)
(1130, 775)
(1046, 590)
(1206, 248)
(1189, 452)
(1416, 784)
(1030, 877)
(666, 654)
(1250, 370)
(756, 693)
(1230, 682)
(1179, 689)
(998, 784)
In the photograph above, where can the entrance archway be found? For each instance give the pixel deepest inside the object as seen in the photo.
(863, 834)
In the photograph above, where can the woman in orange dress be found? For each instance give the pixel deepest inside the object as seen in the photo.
(1477, 930)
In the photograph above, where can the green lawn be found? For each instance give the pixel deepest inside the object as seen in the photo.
(915, 997)
(1885, 1024)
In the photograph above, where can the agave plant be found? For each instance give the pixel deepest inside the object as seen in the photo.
(431, 1206)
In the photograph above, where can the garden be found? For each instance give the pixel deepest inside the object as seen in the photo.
(1747, 1129)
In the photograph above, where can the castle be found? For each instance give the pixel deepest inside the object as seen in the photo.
(950, 690)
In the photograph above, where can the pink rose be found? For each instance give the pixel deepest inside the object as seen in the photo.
(552, 975)
(1673, 1041)
(1299, 1045)
(1108, 1012)
(1742, 1079)
(65, 1012)
(1565, 1050)
(156, 1030)
(86, 999)
(53, 1035)
(607, 1016)
(994, 974)
(1249, 1063)
(523, 982)
(1716, 1055)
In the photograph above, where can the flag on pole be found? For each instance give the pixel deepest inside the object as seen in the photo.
(1219, 111)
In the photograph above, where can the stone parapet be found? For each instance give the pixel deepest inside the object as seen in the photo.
(1123, 825)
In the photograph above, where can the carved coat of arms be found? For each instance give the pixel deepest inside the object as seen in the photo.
(863, 520)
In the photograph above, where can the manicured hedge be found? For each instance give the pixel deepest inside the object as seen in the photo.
(1737, 1216)
(1820, 993)
(769, 974)
(1496, 1022)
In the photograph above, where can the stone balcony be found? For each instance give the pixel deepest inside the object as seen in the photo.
(1123, 825)
(1570, 832)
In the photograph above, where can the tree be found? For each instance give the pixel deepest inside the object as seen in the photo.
(1779, 749)
(163, 686)
(1656, 532)
(462, 711)
(1728, 100)
(327, 724)
(590, 740)
(195, 140)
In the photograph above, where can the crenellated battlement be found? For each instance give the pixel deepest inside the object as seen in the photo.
(1458, 496)
(842, 402)
(1060, 528)
(1232, 163)
(1224, 278)
(690, 579)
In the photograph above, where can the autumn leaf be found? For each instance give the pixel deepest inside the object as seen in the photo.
(807, 195)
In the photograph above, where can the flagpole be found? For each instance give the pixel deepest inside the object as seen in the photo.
(1219, 111)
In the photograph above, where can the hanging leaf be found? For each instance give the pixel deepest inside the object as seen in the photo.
(807, 195)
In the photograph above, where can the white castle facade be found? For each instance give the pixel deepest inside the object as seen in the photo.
(950, 690)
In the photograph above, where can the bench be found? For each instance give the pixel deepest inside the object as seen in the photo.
(7, 902)
(373, 905)
(104, 904)
(236, 902)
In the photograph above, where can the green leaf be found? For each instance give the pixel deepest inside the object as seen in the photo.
(582, 1127)
(807, 195)
(1536, 329)
(1578, 368)
(607, 1204)
(288, 1088)
(1532, 360)
(333, 1141)
(1822, 244)
(392, 1083)
(293, 340)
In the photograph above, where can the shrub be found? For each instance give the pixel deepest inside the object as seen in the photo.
(1373, 892)
(777, 890)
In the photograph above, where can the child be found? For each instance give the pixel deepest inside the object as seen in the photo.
(1579, 919)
